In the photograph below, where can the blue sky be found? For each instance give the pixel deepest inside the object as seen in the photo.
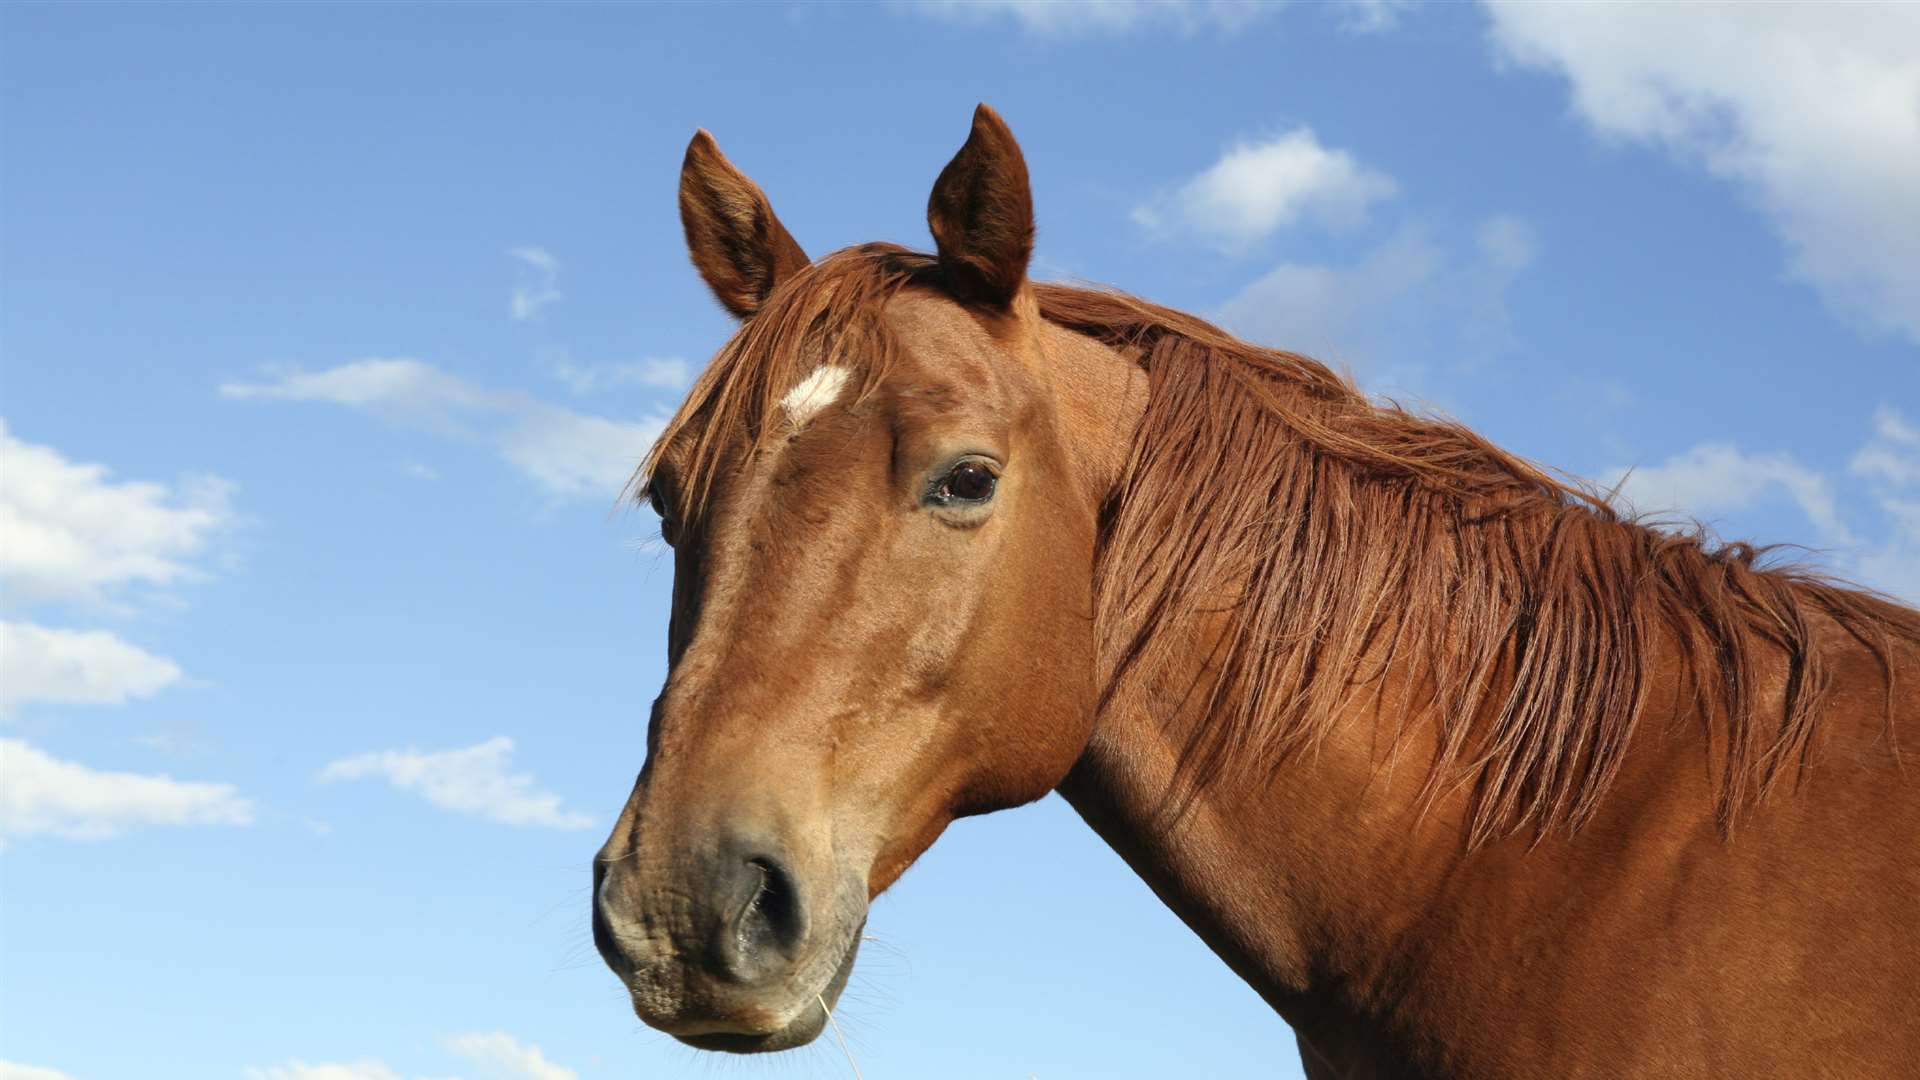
(330, 332)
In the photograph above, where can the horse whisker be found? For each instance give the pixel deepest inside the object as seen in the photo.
(838, 1037)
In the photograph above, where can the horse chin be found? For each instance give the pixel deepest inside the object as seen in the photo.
(809, 1018)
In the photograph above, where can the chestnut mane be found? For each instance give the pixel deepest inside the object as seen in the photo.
(1341, 546)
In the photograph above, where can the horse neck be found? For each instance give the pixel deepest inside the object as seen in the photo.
(1311, 883)
(1274, 876)
(1300, 881)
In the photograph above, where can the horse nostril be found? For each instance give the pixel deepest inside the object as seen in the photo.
(771, 925)
(605, 938)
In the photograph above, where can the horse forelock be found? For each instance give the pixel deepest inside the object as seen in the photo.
(828, 315)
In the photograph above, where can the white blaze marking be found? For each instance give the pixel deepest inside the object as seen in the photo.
(813, 393)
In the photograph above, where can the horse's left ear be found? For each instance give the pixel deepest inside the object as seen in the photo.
(981, 214)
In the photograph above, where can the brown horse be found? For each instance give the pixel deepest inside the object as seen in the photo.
(1463, 772)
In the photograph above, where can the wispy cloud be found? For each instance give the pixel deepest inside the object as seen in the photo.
(470, 780)
(366, 1069)
(539, 283)
(568, 454)
(1812, 115)
(1891, 456)
(1314, 307)
(1384, 314)
(1371, 16)
(1889, 464)
(500, 1056)
(76, 667)
(73, 533)
(44, 795)
(1061, 18)
(656, 372)
(1257, 188)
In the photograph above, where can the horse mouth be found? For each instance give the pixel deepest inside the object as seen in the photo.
(807, 1024)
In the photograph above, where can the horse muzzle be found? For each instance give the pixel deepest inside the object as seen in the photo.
(731, 949)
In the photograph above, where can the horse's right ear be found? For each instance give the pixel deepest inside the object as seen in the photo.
(737, 244)
(981, 214)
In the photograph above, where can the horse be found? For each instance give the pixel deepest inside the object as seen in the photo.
(1465, 771)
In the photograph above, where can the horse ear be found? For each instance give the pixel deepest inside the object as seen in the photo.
(981, 214)
(737, 243)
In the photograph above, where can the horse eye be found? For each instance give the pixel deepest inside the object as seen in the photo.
(654, 500)
(970, 481)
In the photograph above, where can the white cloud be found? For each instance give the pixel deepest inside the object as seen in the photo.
(660, 372)
(1063, 18)
(1714, 478)
(1813, 112)
(46, 796)
(569, 454)
(470, 780)
(76, 667)
(70, 532)
(501, 1057)
(300, 1070)
(1257, 188)
(14, 1071)
(538, 285)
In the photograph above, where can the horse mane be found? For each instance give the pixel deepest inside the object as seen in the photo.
(1336, 545)
(1339, 544)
